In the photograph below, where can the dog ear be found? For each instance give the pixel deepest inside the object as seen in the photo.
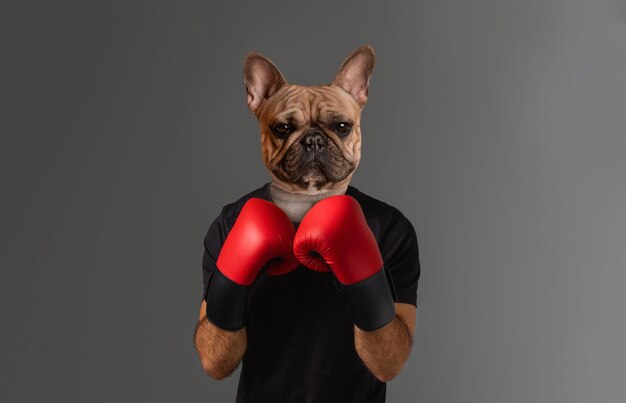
(261, 78)
(355, 72)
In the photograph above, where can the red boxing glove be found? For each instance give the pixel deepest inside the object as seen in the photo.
(262, 233)
(334, 235)
(262, 237)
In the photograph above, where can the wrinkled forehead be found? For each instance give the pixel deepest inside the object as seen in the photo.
(302, 104)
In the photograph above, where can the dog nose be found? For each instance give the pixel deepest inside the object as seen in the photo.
(314, 141)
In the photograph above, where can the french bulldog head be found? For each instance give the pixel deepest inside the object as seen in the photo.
(310, 135)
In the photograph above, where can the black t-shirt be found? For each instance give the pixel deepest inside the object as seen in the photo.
(300, 326)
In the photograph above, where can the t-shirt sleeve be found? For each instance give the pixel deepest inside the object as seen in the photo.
(213, 241)
(400, 252)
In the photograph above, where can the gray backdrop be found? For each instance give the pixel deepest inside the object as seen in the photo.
(497, 127)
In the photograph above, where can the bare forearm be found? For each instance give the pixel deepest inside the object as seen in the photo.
(220, 351)
(384, 351)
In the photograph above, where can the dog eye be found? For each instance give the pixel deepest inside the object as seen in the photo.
(343, 127)
(282, 129)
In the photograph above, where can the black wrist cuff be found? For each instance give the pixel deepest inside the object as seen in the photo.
(372, 302)
(226, 302)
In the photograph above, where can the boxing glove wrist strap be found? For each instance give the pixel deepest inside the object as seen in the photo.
(226, 302)
(372, 302)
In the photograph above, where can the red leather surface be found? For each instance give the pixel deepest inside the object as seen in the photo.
(262, 232)
(336, 229)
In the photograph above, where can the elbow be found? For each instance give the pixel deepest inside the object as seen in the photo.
(386, 376)
(213, 371)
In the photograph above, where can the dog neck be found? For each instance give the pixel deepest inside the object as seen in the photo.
(296, 205)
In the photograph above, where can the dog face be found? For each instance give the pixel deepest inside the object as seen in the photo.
(310, 135)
